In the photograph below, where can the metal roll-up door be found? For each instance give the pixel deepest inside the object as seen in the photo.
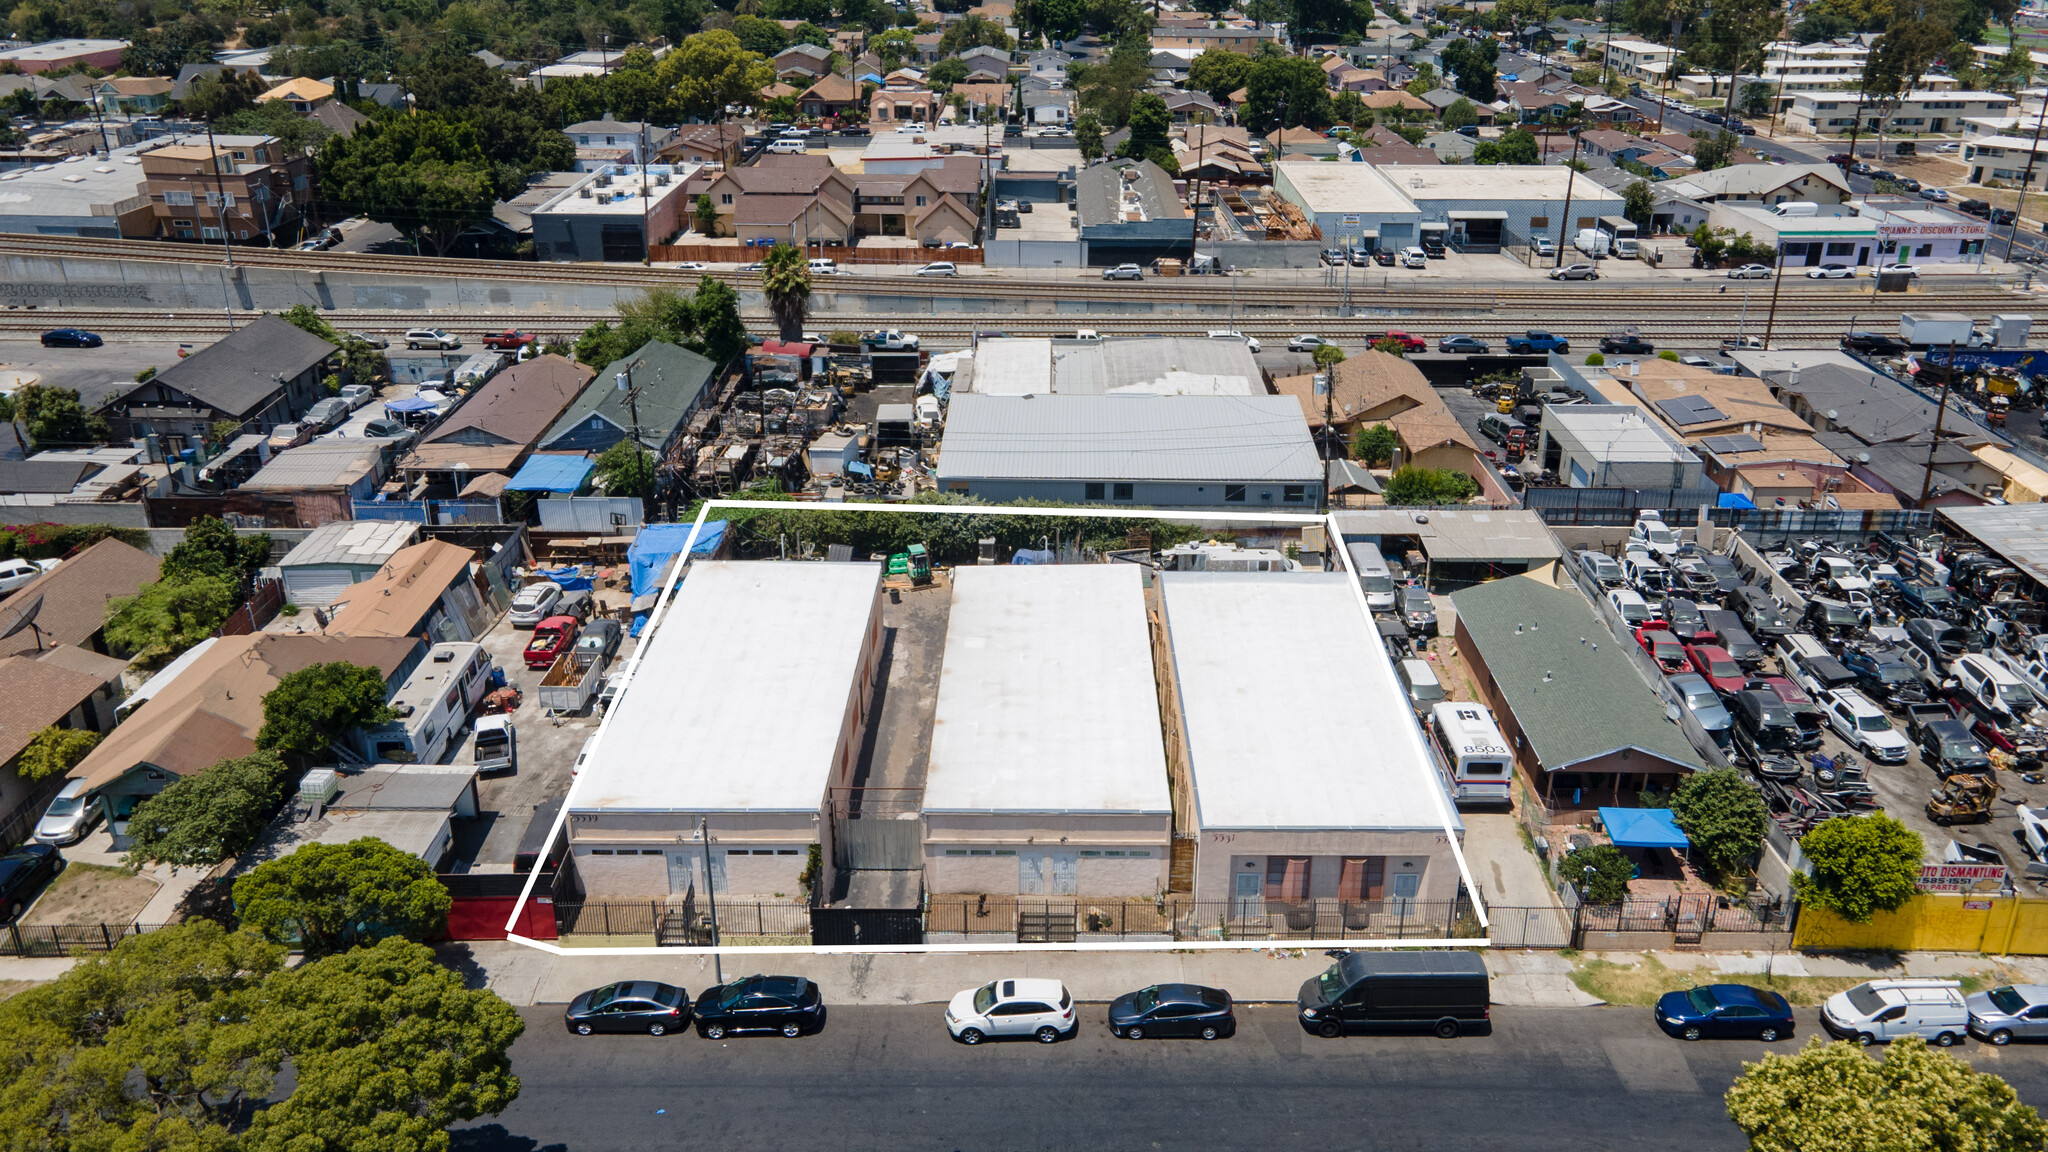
(315, 587)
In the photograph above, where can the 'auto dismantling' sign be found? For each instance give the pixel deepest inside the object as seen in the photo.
(1961, 877)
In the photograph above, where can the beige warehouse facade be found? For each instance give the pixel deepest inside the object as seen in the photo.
(1047, 774)
(711, 731)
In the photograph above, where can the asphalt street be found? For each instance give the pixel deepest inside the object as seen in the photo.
(1582, 1080)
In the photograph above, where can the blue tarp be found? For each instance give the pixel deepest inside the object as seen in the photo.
(1736, 500)
(1034, 556)
(1643, 828)
(571, 578)
(648, 559)
(552, 474)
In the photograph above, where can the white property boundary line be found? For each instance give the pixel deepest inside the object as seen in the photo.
(654, 620)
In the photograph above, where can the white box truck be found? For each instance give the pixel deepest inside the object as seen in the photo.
(1939, 330)
(1620, 232)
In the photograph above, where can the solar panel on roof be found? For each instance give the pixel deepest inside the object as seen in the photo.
(1726, 445)
(1688, 410)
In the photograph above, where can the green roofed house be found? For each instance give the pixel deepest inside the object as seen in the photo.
(665, 386)
(1588, 730)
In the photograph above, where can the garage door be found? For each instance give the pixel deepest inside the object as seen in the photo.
(315, 587)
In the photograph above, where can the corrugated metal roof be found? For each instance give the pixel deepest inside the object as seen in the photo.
(321, 464)
(1132, 437)
(2017, 532)
(1458, 534)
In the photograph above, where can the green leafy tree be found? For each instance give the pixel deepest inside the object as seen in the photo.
(1862, 865)
(1637, 201)
(757, 35)
(707, 215)
(312, 708)
(222, 94)
(165, 617)
(1600, 872)
(1107, 88)
(176, 1038)
(1723, 815)
(1835, 1098)
(1088, 136)
(1755, 99)
(55, 751)
(946, 73)
(54, 418)
(1285, 91)
(715, 313)
(1429, 486)
(1471, 64)
(712, 70)
(627, 469)
(972, 31)
(333, 897)
(786, 282)
(1219, 72)
(1712, 149)
(363, 361)
(1709, 244)
(1425, 80)
(1150, 122)
(1460, 113)
(163, 50)
(1374, 446)
(212, 549)
(422, 174)
(202, 819)
(1390, 346)
(1515, 146)
(600, 344)
(300, 135)
(1327, 356)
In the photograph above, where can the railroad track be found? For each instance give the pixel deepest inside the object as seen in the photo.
(1974, 292)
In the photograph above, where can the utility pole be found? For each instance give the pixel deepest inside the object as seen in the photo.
(220, 216)
(1564, 222)
(646, 237)
(1948, 375)
(1777, 281)
(711, 895)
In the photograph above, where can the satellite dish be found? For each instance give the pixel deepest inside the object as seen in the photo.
(15, 617)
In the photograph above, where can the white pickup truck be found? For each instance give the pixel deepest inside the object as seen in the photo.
(890, 340)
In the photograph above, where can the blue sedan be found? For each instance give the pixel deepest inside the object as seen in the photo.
(71, 338)
(1724, 1010)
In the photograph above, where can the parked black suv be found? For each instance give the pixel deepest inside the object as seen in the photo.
(789, 1005)
(1737, 640)
(1761, 614)
(1764, 725)
(1885, 676)
(1974, 207)
(1948, 748)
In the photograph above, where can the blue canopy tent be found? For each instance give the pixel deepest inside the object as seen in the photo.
(1643, 828)
(648, 559)
(1735, 500)
(552, 474)
(410, 404)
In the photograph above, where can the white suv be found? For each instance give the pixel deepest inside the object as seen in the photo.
(1864, 726)
(1880, 1011)
(1020, 1007)
(1225, 334)
(430, 338)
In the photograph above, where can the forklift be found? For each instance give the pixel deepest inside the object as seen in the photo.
(1964, 798)
(914, 562)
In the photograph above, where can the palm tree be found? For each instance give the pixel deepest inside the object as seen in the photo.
(786, 281)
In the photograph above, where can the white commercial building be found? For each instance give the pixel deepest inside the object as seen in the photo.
(1478, 207)
(1632, 58)
(1615, 446)
(1316, 800)
(1048, 772)
(1919, 112)
(747, 709)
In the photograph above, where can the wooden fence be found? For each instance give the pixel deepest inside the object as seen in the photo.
(743, 254)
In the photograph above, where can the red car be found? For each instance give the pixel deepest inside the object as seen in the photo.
(551, 637)
(1411, 343)
(1663, 647)
(1720, 669)
(510, 340)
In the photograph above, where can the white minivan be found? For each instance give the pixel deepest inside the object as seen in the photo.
(1373, 575)
(1880, 1011)
(1425, 691)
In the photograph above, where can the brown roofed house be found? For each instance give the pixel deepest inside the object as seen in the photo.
(74, 597)
(494, 428)
(427, 590)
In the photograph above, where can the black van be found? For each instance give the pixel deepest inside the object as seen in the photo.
(1440, 992)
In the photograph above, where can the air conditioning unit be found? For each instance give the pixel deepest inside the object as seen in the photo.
(661, 178)
(584, 193)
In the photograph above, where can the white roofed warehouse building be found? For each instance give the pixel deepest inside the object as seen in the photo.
(1235, 453)
(1317, 804)
(746, 711)
(1047, 773)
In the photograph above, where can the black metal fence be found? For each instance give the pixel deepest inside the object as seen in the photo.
(66, 939)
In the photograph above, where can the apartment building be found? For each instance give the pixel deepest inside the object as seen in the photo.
(244, 186)
(1823, 66)
(1633, 58)
(1922, 110)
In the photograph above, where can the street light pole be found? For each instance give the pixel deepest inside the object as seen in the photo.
(2026, 180)
(711, 894)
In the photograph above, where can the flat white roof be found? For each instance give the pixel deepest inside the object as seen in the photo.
(1047, 701)
(1013, 366)
(1494, 182)
(738, 701)
(1353, 189)
(1293, 715)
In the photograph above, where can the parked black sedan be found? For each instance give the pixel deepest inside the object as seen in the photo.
(71, 338)
(1173, 1010)
(629, 1006)
(790, 1005)
(23, 872)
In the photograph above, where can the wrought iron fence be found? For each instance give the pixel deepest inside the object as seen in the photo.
(67, 939)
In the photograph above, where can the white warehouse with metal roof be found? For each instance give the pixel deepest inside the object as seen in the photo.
(1047, 773)
(1232, 453)
(1620, 446)
(746, 710)
(1316, 799)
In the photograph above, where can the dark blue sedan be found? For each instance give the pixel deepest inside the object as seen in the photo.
(23, 872)
(1724, 1010)
(71, 338)
(1173, 1010)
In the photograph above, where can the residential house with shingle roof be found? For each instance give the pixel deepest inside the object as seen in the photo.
(802, 61)
(302, 94)
(265, 373)
(666, 386)
(430, 590)
(832, 95)
(63, 687)
(213, 710)
(494, 427)
(1375, 387)
(766, 199)
(985, 101)
(1587, 729)
(74, 598)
